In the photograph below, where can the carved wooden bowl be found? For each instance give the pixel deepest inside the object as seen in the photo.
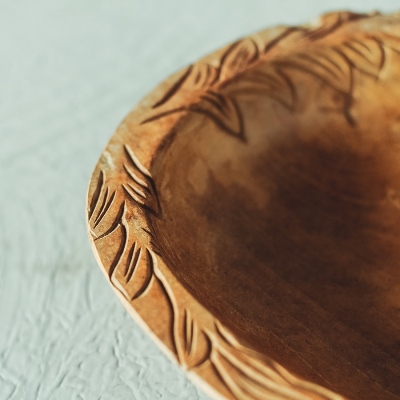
(247, 212)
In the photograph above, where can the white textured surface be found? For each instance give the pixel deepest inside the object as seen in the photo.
(70, 70)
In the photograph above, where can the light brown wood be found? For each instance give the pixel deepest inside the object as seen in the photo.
(247, 213)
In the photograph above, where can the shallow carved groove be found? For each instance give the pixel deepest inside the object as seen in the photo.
(248, 213)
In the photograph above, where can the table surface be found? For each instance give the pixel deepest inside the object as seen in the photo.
(69, 72)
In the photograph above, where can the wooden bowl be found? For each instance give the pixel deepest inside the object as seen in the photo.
(247, 213)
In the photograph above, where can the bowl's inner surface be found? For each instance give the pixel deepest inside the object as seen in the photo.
(291, 237)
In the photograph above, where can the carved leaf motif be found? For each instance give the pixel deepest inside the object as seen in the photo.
(106, 209)
(195, 77)
(96, 195)
(141, 188)
(108, 204)
(327, 66)
(330, 22)
(196, 344)
(223, 110)
(238, 56)
(131, 269)
(250, 376)
(204, 76)
(138, 274)
(368, 54)
(274, 83)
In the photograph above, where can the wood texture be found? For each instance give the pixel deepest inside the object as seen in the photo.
(247, 213)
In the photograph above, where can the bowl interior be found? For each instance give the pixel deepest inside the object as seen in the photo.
(281, 214)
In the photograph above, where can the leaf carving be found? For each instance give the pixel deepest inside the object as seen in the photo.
(132, 269)
(238, 56)
(195, 77)
(96, 195)
(141, 188)
(196, 344)
(330, 22)
(223, 110)
(139, 273)
(274, 83)
(249, 375)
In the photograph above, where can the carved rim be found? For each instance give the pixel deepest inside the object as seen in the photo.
(122, 195)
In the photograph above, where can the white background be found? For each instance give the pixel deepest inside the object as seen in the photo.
(70, 70)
